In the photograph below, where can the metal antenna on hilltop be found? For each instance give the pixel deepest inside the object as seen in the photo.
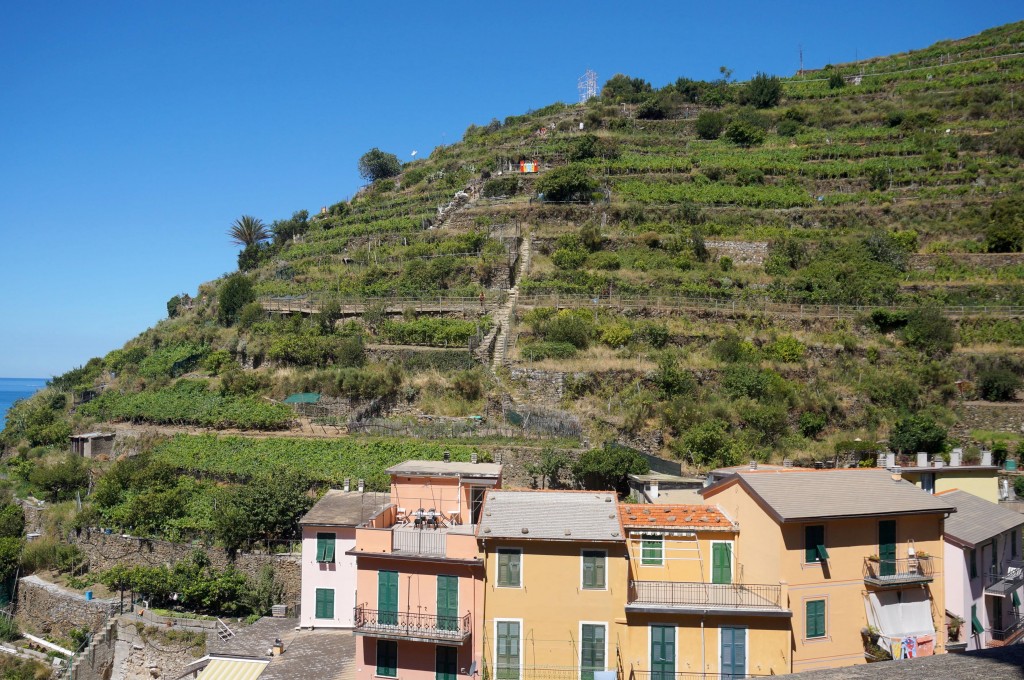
(587, 85)
(801, 59)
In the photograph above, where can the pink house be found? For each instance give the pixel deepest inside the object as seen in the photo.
(328, 573)
(420, 574)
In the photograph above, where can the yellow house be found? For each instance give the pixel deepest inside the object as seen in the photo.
(691, 608)
(937, 476)
(855, 548)
(555, 584)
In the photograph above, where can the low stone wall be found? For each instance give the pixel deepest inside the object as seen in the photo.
(148, 653)
(96, 662)
(542, 387)
(47, 609)
(106, 550)
(753, 253)
(516, 460)
(928, 262)
(982, 415)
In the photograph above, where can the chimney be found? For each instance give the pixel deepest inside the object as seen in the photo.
(897, 473)
(447, 456)
(473, 458)
(753, 465)
(890, 460)
(362, 485)
(348, 485)
(937, 460)
(956, 457)
(922, 459)
(986, 457)
(654, 490)
(787, 463)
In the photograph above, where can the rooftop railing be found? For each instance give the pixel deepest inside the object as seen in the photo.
(1001, 582)
(715, 595)
(426, 542)
(1012, 630)
(411, 624)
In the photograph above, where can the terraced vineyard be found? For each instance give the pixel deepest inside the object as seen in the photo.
(708, 271)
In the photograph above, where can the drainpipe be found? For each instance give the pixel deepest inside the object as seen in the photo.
(703, 647)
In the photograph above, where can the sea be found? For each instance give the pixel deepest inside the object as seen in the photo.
(13, 389)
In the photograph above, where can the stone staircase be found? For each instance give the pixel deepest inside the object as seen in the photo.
(504, 314)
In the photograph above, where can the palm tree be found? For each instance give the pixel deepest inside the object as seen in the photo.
(248, 230)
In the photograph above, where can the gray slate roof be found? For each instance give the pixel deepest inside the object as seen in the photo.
(1000, 663)
(345, 508)
(551, 516)
(800, 495)
(976, 519)
(438, 468)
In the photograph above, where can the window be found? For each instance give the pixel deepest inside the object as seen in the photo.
(651, 550)
(593, 569)
(446, 663)
(1013, 542)
(928, 482)
(592, 637)
(814, 544)
(972, 557)
(815, 623)
(509, 568)
(325, 547)
(508, 650)
(387, 658)
(325, 603)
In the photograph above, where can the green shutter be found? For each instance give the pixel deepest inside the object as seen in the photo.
(591, 650)
(508, 650)
(814, 538)
(508, 568)
(446, 663)
(1016, 599)
(593, 569)
(721, 562)
(325, 547)
(387, 658)
(815, 615)
(324, 603)
(651, 550)
(976, 626)
(448, 602)
(887, 547)
(663, 652)
(387, 597)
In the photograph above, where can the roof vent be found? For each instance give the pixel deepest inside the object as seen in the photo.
(361, 486)
(525, 530)
(487, 530)
(612, 516)
(897, 473)
(348, 484)
(447, 456)
(568, 532)
(473, 458)
(607, 499)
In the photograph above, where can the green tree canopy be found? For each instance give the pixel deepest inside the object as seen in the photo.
(917, 433)
(235, 292)
(608, 468)
(376, 164)
(763, 91)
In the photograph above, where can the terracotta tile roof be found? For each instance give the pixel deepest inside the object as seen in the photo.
(635, 515)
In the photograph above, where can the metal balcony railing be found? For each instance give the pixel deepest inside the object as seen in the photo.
(1001, 582)
(1015, 626)
(898, 571)
(411, 625)
(505, 672)
(746, 596)
(429, 542)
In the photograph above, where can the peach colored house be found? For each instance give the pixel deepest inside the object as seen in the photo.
(692, 607)
(328, 574)
(852, 548)
(420, 591)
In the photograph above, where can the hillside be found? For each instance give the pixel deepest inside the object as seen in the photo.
(709, 272)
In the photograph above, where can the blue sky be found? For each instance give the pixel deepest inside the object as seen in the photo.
(133, 133)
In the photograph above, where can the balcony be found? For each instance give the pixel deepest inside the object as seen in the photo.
(423, 542)
(713, 598)
(895, 573)
(412, 626)
(1001, 583)
(1013, 631)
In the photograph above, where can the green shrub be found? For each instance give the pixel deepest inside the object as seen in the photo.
(623, 88)
(538, 351)
(569, 259)
(673, 380)
(1018, 486)
(438, 332)
(568, 183)
(575, 327)
(811, 424)
(787, 348)
(172, 360)
(929, 330)
(743, 380)
(609, 468)
(507, 185)
(763, 91)
(59, 481)
(605, 261)
(836, 80)
(998, 384)
(653, 333)
(234, 293)
(313, 350)
(917, 433)
(743, 133)
(376, 164)
(731, 348)
(710, 124)
(590, 146)
(706, 445)
(651, 109)
(616, 335)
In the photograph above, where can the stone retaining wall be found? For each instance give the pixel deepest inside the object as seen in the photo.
(47, 609)
(928, 262)
(96, 662)
(148, 653)
(980, 415)
(106, 550)
(752, 253)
